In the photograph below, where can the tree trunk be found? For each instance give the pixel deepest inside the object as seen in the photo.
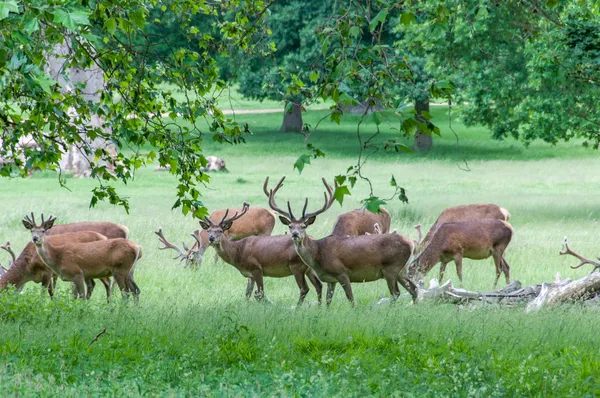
(423, 141)
(292, 121)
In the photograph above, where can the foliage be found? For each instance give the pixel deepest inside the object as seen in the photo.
(136, 111)
(527, 69)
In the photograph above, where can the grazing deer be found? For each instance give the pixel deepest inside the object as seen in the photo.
(466, 213)
(256, 221)
(343, 259)
(477, 240)
(361, 222)
(29, 267)
(260, 256)
(78, 262)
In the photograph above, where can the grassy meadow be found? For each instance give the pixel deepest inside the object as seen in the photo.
(194, 334)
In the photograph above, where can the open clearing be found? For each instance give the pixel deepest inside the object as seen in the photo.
(194, 333)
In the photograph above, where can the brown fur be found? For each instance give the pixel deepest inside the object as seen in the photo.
(361, 221)
(259, 256)
(257, 221)
(466, 213)
(477, 240)
(78, 262)
(28, 267)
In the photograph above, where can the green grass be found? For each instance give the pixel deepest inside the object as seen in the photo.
(194, 333)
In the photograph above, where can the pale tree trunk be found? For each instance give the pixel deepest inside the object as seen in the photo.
(292, 121)
(423, 141)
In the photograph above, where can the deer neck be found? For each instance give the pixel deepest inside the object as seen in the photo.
(428, 259)
(308, 250)
(227, 250)
(48, 254)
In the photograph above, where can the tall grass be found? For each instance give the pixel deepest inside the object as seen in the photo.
(194, 333)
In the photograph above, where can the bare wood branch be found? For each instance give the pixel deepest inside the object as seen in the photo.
(96, 338)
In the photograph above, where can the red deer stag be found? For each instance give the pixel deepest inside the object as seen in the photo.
(256, 221)
(343, 259)
(259, 256)
(453, 241)
(78, 262)
(29, 267)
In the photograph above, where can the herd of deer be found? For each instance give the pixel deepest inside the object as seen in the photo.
(359, 249)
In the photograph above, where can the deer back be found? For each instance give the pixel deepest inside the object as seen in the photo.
(359, 222)
(108, 229)
(466, 213)
(268, 251)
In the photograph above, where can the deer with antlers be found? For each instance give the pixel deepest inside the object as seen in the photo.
(453, 241)
(256, 221)
(343, 259)
(257, 257)
(29, 267)
(78, 262)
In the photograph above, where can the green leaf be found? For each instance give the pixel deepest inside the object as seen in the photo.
(44, 81)
(71, 20)
(380, 17)
(325, 47)
(314, 76)
(111, 25)
(301, 162)
(354, 31)
(340, 192)
(7, 7)
(138, 17)
(393, 181)
(373, 203)
(407, 18)
(31, 24)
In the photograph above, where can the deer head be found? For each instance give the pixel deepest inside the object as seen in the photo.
(216, 231)
(38, 232)
(297, 226)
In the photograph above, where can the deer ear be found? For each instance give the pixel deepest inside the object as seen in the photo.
(226, 225)
(27, 224)
(310, 221)
(284, 220)
(204, 224)
(48, 224)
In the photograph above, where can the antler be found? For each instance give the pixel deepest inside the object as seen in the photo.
(30, 220)
(326, 205)
(169, 245)
(271, 195)
(583, 260)
(9, 250)
(419, 240)
(226, 220)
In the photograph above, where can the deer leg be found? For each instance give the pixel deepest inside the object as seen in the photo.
(79, 283)
(392, 281)
(499, 266)
(506, 270)
(123, 286)
(301, 281)
(458, 262)
(442, 271)
(316, 283)
(344, 280)
(249, 288)
(106, 283)
(260, 288)
(90, 288)
(330, 291)
(47, 282)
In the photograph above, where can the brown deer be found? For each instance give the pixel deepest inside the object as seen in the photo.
(29, 267)
(256, 221)
(466, 213)
(343, 259)
(78, 262)
(453, 241)
(360, 222)
(260, 256)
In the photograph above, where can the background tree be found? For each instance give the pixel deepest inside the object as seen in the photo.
(527, 69)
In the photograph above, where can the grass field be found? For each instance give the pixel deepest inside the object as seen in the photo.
(194, 333)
